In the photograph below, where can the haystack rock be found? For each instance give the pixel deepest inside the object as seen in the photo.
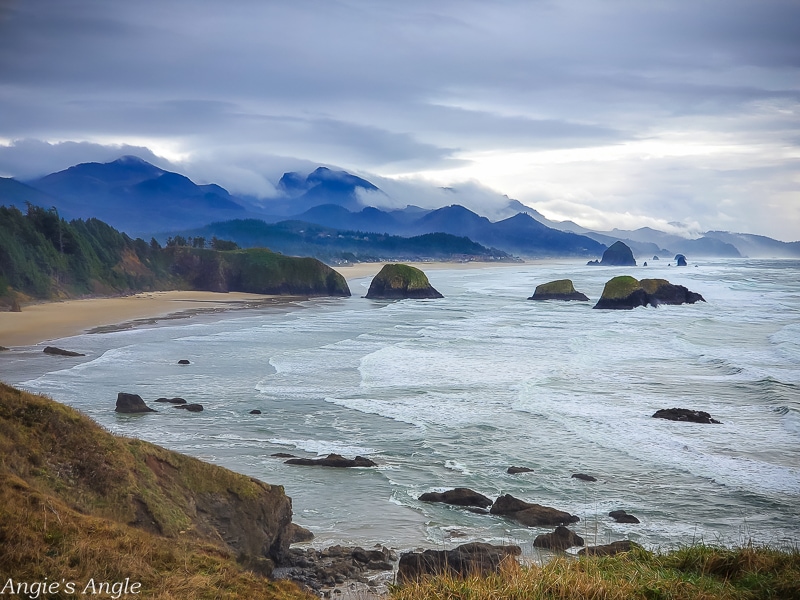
(397, 281)
(617, 254)
(561, 289)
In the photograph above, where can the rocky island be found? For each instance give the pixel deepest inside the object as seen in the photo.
(398, 281)
(561, 289)
(626, 292)
(617, 254)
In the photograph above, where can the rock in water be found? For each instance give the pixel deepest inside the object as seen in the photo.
(617, 254)
(333, 460)
(183, 361)
(583, 477)
(532, 515)
(462, 561)
(620, 516)
(131, 403)
(396, 281)
(561, 289)
(515, 470)
(686, 415)
(561, 539)
(59, 352)
(192, 407)
(458, 497)
(626, 292)
(680, 260)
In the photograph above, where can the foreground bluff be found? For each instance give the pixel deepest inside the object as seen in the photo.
(626, 292)
(396, 281)
(77, 501)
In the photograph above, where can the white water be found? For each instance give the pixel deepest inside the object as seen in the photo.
(451, 392)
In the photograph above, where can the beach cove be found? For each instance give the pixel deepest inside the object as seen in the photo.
(450, 393)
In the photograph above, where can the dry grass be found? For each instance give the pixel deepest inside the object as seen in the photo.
(694, 573)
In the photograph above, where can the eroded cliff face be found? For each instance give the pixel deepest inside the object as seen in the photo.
(64, 458)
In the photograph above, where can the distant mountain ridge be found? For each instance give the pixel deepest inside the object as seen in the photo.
(141, 199)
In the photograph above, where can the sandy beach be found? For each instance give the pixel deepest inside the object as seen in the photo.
(53, 320)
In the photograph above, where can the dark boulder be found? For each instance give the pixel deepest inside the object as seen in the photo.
(131, 403)
(661, 291)
(561, 289)
(298, 534)
(172, 400)
(397, 281)
(333, 460)
(192, 407)
(583, 477)
(532, 515)
(462, 561)
(617, 254)
(183, 361)
(255, 411)
(317, 569)
(59, 352)
(686, 415)
(620, 516)
(680, 260)
(516, 470)
(459, 497)
(283, 455)
(609, 549)
(560, 539)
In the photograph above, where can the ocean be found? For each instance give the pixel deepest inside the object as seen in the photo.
(451, 392)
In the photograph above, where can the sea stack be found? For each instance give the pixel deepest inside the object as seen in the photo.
(616, 255)
(562, 289)
(680, 260)
(397, 281)
(626, 292)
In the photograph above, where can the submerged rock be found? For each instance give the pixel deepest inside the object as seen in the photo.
(686, 415)
(620, 516)
(255, 411)
(462, 561)
(583, 477)
(333, 460)
(561, 289)
(131, 403)
(59, 352)
(532, 515)
(183, 361)
(171, 400)
(397, 281)
(560, 539)
(192, 407)
(661, 291)
(458, 497)
(516, 470)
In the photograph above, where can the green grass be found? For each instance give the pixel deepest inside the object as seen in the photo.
(693, 573)
(560, 286)
(396, 274)
(651, 286)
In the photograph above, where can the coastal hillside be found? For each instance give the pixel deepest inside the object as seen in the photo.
(79, 506)
(43, 257)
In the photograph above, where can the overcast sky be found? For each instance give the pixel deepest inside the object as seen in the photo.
(613, 113)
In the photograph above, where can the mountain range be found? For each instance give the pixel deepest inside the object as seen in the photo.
(144, 200)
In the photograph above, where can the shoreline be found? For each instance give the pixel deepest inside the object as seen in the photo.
(46, 321)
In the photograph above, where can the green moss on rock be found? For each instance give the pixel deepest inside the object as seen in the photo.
(395, 281)
(561, 289)
(626, 292)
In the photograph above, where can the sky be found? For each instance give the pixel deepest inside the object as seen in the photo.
(674, 114)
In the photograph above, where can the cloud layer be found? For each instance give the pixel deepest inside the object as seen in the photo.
(585, 109)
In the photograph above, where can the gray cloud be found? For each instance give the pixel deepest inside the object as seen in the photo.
(418, 88)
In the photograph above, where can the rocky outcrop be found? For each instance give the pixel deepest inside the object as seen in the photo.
(462, 561)
(298, 534)
(560, 539)
(561, 289)
(680, 260)
(532, 515)
(318, 569)
(686, 415)
(255, 411)
(617, 254)
(517, 470)
(397, 281)
(583, 477)
(626, 292)
(59, 352)
(183, 361)
(620, 516)
(608, 549)
(661, 291)
(333, 460)
(131, 403)
(458, 497)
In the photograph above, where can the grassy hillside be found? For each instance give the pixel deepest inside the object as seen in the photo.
(42, 256)
(77, 503)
